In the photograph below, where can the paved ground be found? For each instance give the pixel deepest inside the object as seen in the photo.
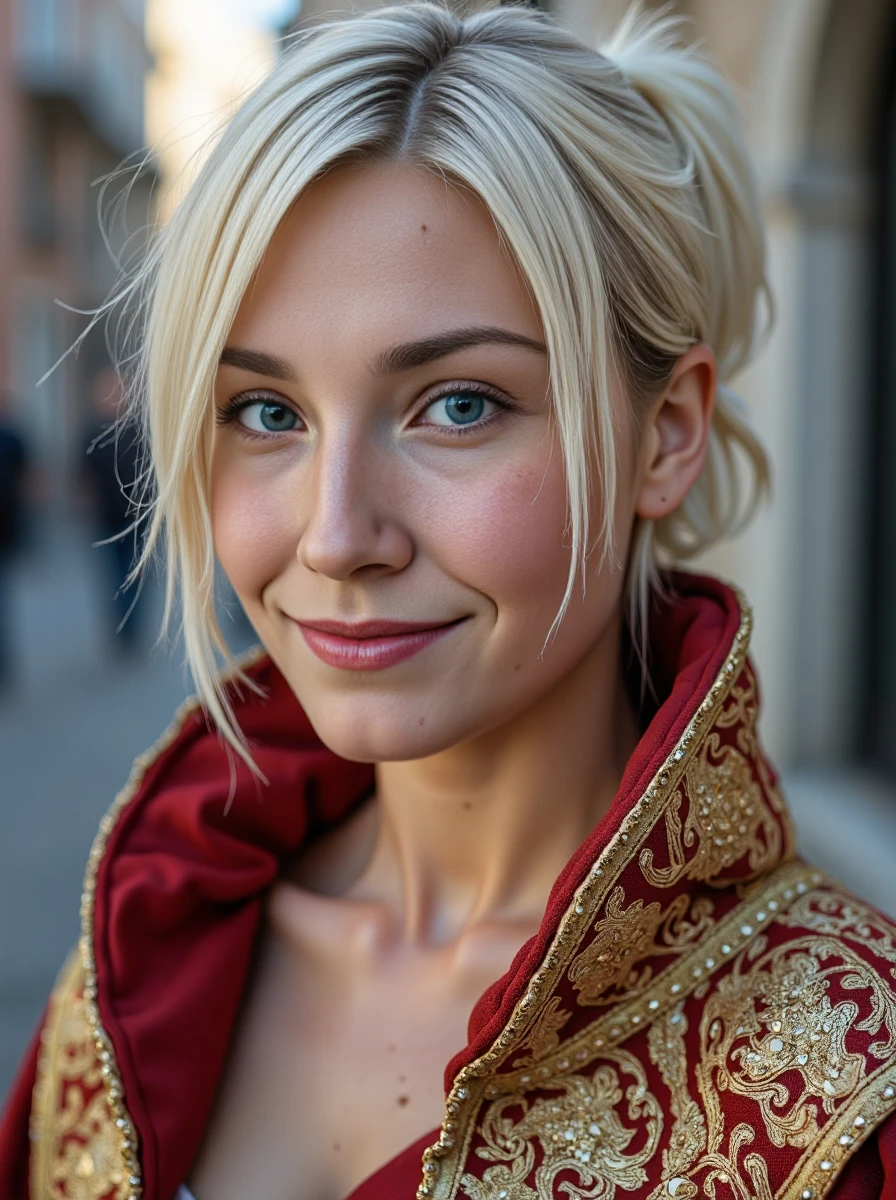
(71, 728)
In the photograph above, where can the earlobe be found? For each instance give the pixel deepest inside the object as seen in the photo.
(677, 434)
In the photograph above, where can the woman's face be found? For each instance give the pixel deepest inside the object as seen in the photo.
(388, 497)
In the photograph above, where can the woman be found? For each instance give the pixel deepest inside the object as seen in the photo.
(477, 883)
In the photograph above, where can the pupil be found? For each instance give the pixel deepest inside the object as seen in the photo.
(275, 416)
(465, 408)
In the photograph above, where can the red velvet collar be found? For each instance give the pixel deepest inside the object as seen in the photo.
(174, 890)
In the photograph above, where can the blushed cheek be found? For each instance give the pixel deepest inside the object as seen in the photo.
(252, 532)
(504, 537)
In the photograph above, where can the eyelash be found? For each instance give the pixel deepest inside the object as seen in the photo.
(228, 412)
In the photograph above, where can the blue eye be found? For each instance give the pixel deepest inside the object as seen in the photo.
(268, 416)
(458, 408)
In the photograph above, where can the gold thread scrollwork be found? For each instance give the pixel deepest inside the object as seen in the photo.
(545, 1034)
(77, 1153)
(665, 1041)
(775, 1021)
(578, 1131)
(607, 970)
(728, 818)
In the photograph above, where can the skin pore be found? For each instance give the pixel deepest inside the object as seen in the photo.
(354, 481)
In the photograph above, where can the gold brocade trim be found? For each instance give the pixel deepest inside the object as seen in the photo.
(584, 1126)
(75, 1147)
(44, 1093)
(675, 984)
(443, 1161)
(111, 1075)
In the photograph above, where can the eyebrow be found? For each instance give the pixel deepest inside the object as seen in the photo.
(401, 357)
(415, 354)
(258, 362)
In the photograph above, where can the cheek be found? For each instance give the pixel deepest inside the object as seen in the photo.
(251, 526)
(504, 537)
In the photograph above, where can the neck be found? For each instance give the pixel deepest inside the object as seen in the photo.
(480, 832)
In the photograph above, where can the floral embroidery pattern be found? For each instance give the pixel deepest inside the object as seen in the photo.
(607, 970)
(728, 818)
(579, 1132)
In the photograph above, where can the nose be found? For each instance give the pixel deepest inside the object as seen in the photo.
(352, 524)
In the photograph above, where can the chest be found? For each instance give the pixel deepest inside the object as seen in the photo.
(337, 1064)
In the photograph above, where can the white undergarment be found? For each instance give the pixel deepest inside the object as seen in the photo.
(184, 1193)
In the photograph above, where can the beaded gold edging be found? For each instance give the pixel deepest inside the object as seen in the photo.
(468, 1086)
(128, 1139)
(842, 1136)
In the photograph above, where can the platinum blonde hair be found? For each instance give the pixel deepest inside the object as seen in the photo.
(617, 178)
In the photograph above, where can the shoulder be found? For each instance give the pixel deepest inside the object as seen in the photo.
(751, 1053)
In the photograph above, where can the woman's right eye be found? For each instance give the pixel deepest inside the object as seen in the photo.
(268, 416)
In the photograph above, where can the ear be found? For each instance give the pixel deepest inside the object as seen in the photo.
(676, 434)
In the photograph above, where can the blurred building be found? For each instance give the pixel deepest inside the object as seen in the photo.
(817, 79)
(202, 67)
(71, 111)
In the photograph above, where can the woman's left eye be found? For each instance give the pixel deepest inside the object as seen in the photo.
(462, 407)
(267, 416)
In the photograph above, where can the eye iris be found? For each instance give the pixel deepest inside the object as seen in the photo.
(276, 417)
(464, 408)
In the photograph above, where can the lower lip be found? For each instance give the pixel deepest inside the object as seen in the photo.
(370, 654)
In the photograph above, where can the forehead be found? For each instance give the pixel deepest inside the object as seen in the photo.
(376, 252)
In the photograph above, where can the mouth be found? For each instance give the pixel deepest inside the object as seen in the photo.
(371, 645)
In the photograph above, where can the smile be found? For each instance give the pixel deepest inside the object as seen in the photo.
(370, 645)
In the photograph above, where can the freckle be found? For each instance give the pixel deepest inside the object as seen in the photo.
(402, 1078)
(423, 227)
(403, 1100)
(422, 721)
(467, 804)
(518, 666)
(391, 1048)
(337, 1147)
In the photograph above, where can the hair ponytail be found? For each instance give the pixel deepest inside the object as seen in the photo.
(699, 109)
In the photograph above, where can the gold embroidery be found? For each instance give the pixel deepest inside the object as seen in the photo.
(722, 1169)
(90, 1169)
(580, 1130)
(769, 1032)
(606, 971)
(545, 1034)
(727, 818)
(773, 1019)
(77, 1147)
(838, 916)
(622, 938)
(853, 1123)
(665, 1042)
(684, 977)
(502, 1183)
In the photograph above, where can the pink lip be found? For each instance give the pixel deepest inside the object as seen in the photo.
(370, 645)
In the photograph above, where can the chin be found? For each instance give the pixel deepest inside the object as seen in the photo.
(377, 730)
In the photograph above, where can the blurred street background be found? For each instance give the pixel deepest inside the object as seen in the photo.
(87, 85)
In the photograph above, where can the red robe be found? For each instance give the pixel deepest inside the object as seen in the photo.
(700, 1013)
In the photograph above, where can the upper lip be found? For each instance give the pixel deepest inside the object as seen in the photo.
(373, 629)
